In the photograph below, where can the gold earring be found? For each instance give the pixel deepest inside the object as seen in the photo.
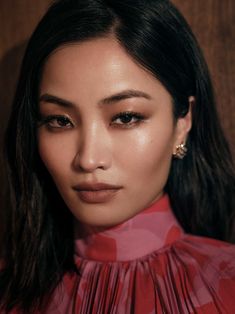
(180, 151)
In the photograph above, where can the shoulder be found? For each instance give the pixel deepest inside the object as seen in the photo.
(208, 253)
(207, 247)
(210, 266)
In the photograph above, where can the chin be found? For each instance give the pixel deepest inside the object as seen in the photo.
(100, 221)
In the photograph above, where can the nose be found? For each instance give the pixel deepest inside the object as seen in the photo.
(94, 149)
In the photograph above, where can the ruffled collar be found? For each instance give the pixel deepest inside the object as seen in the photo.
(148, 231)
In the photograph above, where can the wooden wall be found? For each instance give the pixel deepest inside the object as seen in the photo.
(213, 22)
(17, 20)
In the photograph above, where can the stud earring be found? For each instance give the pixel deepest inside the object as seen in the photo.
(180, 151)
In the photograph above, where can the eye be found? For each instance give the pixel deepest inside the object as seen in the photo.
(127, 118)
(56, 122)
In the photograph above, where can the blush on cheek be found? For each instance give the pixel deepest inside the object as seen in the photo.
(49, 157)
(55, 150)
(159, 159)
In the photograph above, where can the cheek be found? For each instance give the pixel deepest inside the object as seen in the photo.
(147, 162)
(147, 150)
(159, 161)
(56, 155)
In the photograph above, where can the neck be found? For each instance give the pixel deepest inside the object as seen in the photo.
(148, 231)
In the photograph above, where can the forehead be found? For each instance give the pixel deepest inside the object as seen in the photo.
(98, 68)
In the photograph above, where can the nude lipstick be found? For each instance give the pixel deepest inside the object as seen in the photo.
(94, 193)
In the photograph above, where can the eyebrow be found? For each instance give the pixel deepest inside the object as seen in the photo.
(55, 100)
(127, 94)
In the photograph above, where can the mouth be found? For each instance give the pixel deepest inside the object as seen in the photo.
(95, 193)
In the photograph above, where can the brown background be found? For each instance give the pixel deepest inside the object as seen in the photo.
(213, 22)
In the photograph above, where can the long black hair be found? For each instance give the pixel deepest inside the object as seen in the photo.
(39, 240)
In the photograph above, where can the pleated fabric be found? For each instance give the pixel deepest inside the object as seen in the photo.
(148, 265)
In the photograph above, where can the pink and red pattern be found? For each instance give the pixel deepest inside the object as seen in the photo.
(149, 265)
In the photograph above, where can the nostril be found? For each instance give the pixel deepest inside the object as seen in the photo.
(89, 161)
(94, 147)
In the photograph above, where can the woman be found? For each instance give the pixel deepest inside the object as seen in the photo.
(121, 177)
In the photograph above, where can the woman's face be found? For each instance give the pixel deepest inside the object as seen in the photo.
(105, 121)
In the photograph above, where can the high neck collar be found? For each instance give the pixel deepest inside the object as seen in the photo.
(148, 231)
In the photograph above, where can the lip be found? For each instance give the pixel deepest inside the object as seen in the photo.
(98, 192)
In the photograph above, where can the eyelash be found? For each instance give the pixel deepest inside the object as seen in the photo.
(48, 121)
(128, 114)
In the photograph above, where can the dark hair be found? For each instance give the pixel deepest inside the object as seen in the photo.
(39, 240)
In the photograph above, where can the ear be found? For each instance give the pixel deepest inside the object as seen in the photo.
(183, 126)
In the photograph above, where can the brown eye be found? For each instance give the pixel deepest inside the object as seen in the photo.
(60, 122)
(56, 122)
(127, 118)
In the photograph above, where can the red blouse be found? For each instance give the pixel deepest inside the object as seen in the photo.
(148, 265)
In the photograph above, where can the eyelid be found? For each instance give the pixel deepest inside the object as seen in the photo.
(45, 120)
(133, 113)
(136, 115)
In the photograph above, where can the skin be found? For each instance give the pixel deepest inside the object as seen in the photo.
(92, 144)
